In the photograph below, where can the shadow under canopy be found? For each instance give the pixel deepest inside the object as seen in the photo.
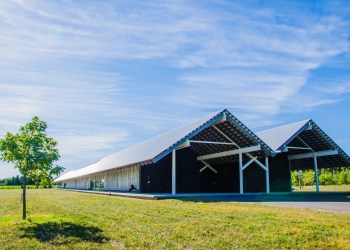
(51, 231)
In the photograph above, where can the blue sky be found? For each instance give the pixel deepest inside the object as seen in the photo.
(108, 74)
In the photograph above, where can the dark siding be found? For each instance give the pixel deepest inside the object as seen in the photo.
(187, 171)
(279, 173)
(156, 178)
(226, 180)
(254, 179)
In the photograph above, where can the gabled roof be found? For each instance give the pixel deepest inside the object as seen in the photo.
(278, 137)
(303, 134)
(156, 148)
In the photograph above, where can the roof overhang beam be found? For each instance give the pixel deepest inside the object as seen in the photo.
(206, 165)
(312, 155)
(303, 148)
(229, 153)
(222, 119)
(186, 144)
(214, 142)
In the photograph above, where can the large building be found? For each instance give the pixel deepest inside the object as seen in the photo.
(215, 154)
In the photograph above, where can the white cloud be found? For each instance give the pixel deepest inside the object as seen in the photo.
(337, 88)
(259, 64)
(69, 62)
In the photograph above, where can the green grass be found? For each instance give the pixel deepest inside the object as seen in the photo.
(17, 187)
(335, 188)
(68, 220)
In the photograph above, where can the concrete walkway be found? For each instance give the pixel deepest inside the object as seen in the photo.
(319, 205)
(335, 202)
(323, 201)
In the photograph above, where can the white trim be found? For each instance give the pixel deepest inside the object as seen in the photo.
(311, 155)
(290, 174)
(228, 138)
(240, 173)
(316, 174)
(247, 164)
(222, 119)
(309, 127)
(257, 161)
(213, 142)
(206, 165)
(307, 145)
(184, 145)
(267, 174)
(173, 173)
(229, 153)
(299, 148)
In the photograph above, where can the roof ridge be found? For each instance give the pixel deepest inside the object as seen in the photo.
(285, 125)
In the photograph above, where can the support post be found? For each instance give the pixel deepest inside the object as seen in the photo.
(290, 177)
(267, 175)
(173, 173)
(240, 173)
(316, 174)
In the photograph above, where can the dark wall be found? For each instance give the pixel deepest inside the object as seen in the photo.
(280, 178)
(279, 175)
(254, 179)
(156, 178)
(226, 179)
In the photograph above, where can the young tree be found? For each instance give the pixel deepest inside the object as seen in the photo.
(32, 152)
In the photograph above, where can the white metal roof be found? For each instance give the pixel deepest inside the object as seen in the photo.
(276, 137)
(142, 153)
(299, 133)
(152, 150)
(156, 148)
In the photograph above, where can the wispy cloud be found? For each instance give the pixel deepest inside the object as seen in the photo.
(106, 75)
(267, 55)
(337, 88)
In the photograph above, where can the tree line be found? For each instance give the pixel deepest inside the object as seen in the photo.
(18, 181)
(326, 176)
(15, 181)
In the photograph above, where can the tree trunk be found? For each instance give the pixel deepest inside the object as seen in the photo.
(24, 198)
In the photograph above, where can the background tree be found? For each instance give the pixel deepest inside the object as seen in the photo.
(308, 177)
(295, 178)
(32, 152)
(326, 177)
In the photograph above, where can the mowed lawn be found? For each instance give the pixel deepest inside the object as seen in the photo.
(68, 220)
(328, 188)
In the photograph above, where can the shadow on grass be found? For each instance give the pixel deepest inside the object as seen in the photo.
(54, 231)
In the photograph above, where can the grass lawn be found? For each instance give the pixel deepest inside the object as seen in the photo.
(336, 188)
(17, 187)
(68, 220)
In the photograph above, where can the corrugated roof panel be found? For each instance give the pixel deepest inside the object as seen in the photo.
(156, 148)
(143, 152)
(276, 137)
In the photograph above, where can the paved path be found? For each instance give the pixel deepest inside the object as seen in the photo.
(323, 202)
(318, 205)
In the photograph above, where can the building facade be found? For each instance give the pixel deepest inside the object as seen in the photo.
(215, 154)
